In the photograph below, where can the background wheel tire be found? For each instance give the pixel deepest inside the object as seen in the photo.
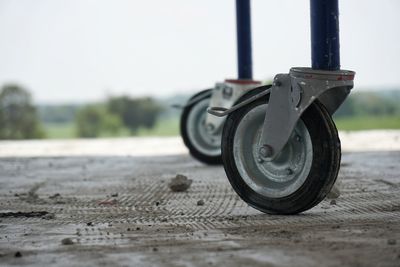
(318, 179)
(194, 135)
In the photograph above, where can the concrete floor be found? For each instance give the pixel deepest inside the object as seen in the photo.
(110, 197)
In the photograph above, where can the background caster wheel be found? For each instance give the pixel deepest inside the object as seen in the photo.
(301, 175)
(202, 145)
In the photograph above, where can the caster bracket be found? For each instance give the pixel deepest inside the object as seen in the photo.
(222, 112)
(223, 97)
(291, 94)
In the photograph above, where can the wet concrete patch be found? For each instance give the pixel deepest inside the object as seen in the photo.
(18, 214)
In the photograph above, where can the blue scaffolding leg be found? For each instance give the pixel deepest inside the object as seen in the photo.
(243, 27)
(325, 51)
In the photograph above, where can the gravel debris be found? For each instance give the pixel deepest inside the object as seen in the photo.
(200, 202)
(334, 193)
(180, 183)
(56, 195)
(49, 216)
(67, 241)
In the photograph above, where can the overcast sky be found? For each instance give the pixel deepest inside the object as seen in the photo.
(83, 50)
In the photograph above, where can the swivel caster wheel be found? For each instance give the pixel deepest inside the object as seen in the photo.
(301, 175)
(204, 145)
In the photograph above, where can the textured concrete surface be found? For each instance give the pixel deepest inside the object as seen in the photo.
(107, 203)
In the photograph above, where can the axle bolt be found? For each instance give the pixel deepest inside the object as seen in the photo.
(298, 138)
(265, 151)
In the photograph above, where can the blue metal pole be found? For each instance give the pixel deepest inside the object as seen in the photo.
(243, 27)
(325, 50)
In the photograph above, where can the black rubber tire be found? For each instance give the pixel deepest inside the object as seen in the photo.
(324, 168)
(207, 159)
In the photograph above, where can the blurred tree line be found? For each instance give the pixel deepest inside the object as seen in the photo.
(116, 114)
(370, 104)
(57, 113)
(20, 119)
(18, 116)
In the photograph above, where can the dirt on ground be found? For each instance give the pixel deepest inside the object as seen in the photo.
(109, 203)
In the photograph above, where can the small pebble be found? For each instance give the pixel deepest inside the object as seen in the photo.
(333, 202)
(18, 254)
(49, 216)
(67, 241)
(180, 183)
(334, 193)
(56, 195)
(200, 202)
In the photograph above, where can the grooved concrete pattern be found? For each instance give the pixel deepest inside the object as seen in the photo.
(111, 199)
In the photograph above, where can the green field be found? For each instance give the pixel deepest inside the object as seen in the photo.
(170, 127)
(368, 123)
(59, 130)
(167, 127)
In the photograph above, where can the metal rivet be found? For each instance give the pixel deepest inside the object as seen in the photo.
(289, 171)
(210, 127)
